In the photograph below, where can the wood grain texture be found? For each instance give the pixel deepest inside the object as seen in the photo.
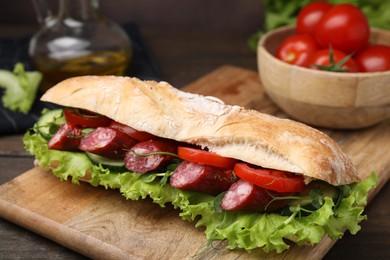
(100, 223)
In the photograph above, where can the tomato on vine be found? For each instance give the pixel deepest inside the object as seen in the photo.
(333, 37)
(332, 60)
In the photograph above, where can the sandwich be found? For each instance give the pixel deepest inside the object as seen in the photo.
(252, 179)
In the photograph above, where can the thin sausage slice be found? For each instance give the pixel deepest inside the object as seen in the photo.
(107, 142)
(139, 158)
(67, 138)
(202, 178)
(243, 195)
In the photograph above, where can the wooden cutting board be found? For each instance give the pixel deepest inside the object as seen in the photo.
(101, 224)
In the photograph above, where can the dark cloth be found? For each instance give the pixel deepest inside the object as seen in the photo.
(143, 66)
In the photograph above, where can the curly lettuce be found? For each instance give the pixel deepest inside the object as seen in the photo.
(246, 230)
(20, 88)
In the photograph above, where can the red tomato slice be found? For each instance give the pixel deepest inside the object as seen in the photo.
(138, 135)
(275, 180)
(85, 118)
(205, 157)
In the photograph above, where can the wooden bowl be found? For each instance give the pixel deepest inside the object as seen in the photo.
(321, 98)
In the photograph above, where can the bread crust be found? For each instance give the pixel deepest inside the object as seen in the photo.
(231, 131)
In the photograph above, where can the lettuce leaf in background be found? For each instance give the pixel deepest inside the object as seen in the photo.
(246, 230)
(284, 12)
(20, 88)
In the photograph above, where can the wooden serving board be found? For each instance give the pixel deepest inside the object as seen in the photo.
(102, 224)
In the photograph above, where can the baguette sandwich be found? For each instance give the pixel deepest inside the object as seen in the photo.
(252, 179)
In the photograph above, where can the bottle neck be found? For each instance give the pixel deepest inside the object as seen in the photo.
(80, 10)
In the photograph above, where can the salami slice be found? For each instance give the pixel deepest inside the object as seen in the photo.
(202, 178)
(107, 142)
(138, 159)
(243, 195)
(67, 138)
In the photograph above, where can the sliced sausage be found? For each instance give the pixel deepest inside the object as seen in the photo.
(202, 178)
(67, 138)
(107, 142)
(243, 195)
(138, 160)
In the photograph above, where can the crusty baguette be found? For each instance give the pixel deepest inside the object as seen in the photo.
(231, 131)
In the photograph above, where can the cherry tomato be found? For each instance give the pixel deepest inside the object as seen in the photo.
(374, 58)
(85, 118)
(275, 180)
(138, 135)
(344, 27)
(205, 157)
(296, 49)
(323, 58)
(310, 15)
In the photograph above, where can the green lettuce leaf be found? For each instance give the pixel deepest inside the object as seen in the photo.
(247, 230)
(20, 88)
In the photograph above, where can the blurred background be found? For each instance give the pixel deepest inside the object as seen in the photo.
(241, 15)
(197, 27)
(187, 40)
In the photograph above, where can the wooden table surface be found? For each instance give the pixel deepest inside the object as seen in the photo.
(183, 57)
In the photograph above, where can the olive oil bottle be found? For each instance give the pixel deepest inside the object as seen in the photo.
(77, 41)
(95, 63)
